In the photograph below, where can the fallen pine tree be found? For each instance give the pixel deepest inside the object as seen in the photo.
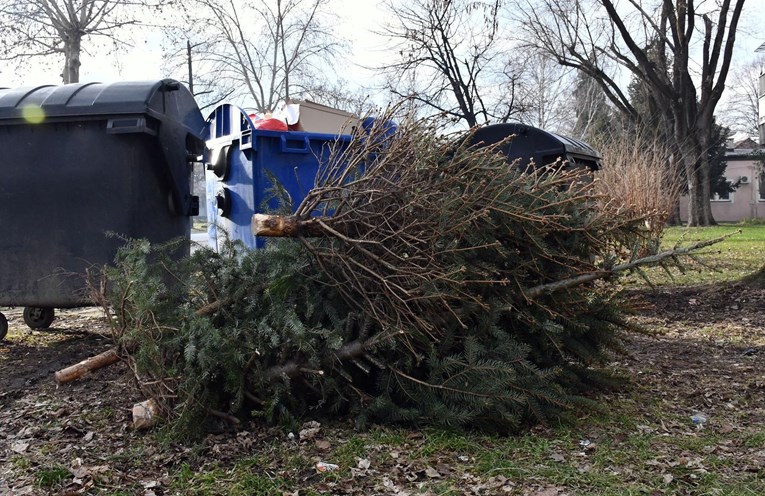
(432, 289)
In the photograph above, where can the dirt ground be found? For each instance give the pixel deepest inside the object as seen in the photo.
(77, 438)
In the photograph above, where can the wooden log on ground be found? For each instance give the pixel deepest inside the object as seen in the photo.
(79, 370)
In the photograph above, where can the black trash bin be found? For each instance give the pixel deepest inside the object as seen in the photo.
(532, 145)
(81, 161)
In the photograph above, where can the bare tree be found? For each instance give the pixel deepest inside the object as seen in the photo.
(658, 45)
(740, 107)
(544, 88)
(256, 52)
(594, 118)
(44, 28)
(449, 59)
(637, 177)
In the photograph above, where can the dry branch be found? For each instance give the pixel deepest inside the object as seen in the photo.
(292, 226)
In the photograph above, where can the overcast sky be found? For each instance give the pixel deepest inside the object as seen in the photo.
(357, 20)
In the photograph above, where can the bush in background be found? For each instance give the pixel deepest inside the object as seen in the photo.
(638, 175)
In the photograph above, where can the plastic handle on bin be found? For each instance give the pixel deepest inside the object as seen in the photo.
(223, 202)
(221, 163)
(303, 145)
(181, 124)
(127, 125)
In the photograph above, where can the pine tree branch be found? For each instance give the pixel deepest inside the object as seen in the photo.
(349, 351)
(425, 244)
(552, 287)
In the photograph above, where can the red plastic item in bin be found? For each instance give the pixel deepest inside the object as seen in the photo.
(270, 124)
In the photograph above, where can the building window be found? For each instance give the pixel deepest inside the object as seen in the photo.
(725, 197)
(761, 186)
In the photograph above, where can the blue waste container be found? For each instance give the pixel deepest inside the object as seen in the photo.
(244, 162)
(80, 161)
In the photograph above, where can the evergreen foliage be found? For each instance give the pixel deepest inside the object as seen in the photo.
(417, 306)
(717, 163)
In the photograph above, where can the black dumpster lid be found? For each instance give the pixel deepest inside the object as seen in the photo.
(534, 143)
(97, 99)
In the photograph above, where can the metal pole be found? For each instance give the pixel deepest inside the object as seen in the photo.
(191, 72)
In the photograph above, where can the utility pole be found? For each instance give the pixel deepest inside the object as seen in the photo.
(191, 71)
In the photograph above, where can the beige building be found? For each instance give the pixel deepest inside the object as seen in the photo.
(761, 101)
(748, 201)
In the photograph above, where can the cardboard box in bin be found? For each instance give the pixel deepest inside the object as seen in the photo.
(314, 117)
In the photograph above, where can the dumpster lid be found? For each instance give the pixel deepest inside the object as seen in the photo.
(99, 99)
(125, 106)
(534, 143)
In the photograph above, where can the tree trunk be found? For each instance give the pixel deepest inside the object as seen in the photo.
(191, 69)
(706, 193)
(671, 184)
(699, 208)
(674, 214)
(72, 64)
(693, 197)
(696, 165)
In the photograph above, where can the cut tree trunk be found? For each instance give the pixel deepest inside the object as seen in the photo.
(286, 226)
(86, 366)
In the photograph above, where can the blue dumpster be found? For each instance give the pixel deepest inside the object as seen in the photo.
(244, 162)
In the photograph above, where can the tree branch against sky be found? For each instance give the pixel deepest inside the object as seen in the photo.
(448, 59)
(680, 49)
(256, 53)
(740, 106)
(31, 29)
(543, 89)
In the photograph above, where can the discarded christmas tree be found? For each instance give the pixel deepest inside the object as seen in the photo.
(429, 290)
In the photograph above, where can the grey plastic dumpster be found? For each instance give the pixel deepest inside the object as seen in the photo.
(81, 161)
(532, 144)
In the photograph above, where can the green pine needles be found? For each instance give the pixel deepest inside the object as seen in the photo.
(418, 301)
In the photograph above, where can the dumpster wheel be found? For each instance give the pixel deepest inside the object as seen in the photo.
(38, 317)
(3, 326)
